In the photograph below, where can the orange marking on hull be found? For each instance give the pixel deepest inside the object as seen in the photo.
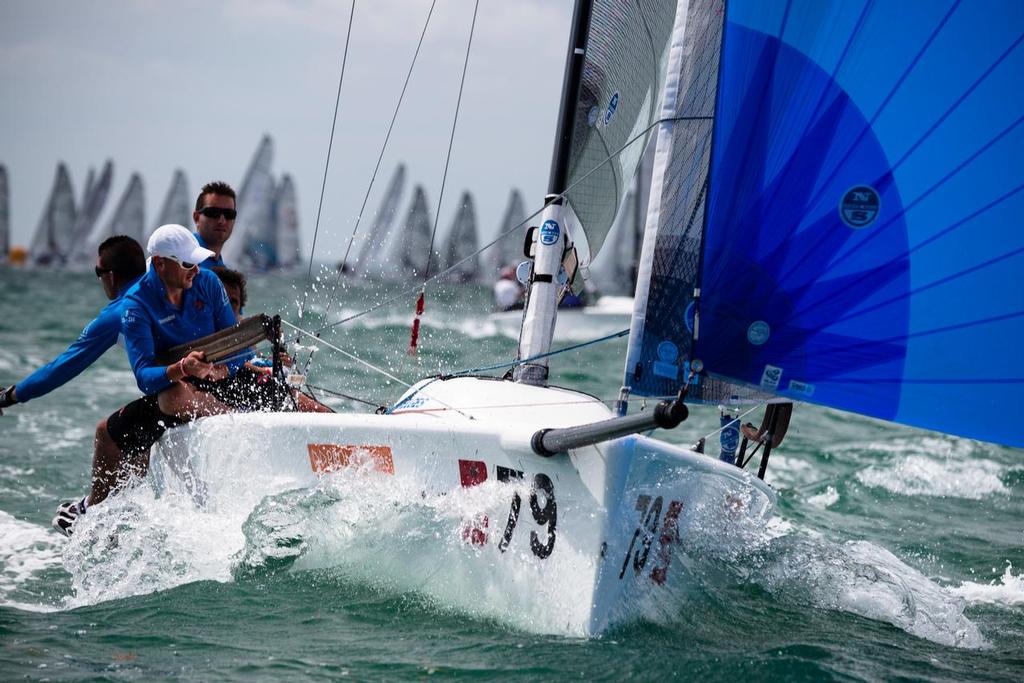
(330, 457)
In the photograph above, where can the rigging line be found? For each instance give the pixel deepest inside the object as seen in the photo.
(511, 364)
(327, 163)
(387, 139)
(341, 395)
(373, 178)
(412, 290)
(451, 142)
(347, 354)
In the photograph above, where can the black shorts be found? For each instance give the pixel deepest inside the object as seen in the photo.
(138, 425)
(248, 390)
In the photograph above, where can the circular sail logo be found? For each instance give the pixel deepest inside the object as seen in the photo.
(549, 233)
(758, 332)
(859, 207)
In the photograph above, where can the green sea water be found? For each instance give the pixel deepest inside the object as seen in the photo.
(894, 553)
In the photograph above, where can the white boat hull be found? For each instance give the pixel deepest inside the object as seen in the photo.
(558, 545)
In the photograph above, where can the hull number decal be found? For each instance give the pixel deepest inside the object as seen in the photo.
(331, 457)
(543, 508)
(646, 530)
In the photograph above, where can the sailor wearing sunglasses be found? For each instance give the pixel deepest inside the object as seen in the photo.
(215, 220)
(174, 303)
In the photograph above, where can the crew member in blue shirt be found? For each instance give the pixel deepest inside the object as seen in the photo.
(120, 263)
(215, 220)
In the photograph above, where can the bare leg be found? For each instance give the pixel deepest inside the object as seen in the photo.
(106, 465)
(185, 401)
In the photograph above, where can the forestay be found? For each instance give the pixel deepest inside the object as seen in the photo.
(863, 248)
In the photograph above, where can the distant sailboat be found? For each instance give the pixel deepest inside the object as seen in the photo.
(509, 249)
(462, 243)
(129, 218)
(177, 206)
(369, 262)
(53, 236)
(254, 242)
(286, 221)
(93, 200)
(5, 215)
(410, 244)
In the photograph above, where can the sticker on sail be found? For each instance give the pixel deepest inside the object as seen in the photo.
(690, 316)
(859, 207)
(549, 233)
(802, 388)
(771, 377)
(613, 104)
(666, 365)
(758, 332)
(592, 116)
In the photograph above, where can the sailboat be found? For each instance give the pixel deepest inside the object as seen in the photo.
(371, 262)
(818, 230)
(286, 221)
(406, 252)
(255, 239)
(94, 199)
(177, 206)
(460, 246)
(53, 236)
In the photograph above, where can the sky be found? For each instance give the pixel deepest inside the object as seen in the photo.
(157, 85)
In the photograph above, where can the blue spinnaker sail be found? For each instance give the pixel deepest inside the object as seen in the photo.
(863, 247)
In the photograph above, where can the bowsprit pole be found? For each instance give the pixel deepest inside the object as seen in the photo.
(414, 336)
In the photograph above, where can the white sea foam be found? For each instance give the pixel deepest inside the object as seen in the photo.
(825, 499)
(862, 578)
(923, 475)
(1007, 591)
(26, 551)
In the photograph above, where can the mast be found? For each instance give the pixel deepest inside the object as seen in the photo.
(541, 302)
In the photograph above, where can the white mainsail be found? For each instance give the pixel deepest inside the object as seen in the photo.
(407, 252)
(53, 236)
(508, 251)
(253, 239)
(130, 217)
(286, 219)
(177, 206)
(462, 244)
(93, 201)
(373, 253)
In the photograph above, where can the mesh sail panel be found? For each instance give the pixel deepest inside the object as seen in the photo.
(623, 73)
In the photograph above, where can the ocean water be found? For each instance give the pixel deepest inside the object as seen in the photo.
(894, 553)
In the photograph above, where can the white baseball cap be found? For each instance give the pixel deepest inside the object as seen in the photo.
(176, 241)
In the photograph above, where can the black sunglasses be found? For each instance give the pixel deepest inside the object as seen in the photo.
(216, 212)
(100, 272)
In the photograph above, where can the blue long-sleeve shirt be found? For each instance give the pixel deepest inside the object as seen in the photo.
(98, 336)
(152, 325)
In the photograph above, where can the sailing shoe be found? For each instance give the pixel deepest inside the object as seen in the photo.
(67, 513)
